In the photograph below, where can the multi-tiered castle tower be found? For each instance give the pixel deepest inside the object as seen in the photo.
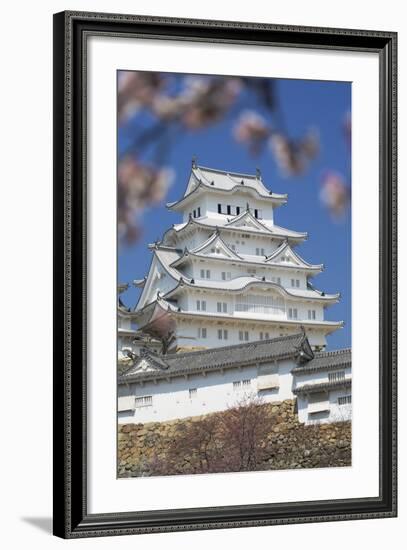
(227, 274)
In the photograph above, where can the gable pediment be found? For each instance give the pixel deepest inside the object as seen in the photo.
(147, 362)
(286, 256)
(216, 247)
(247, 220)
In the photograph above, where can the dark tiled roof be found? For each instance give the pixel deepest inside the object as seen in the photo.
(294, 346)
(324, 386)
(326, 360)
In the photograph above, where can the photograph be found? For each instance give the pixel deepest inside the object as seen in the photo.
(234, 249)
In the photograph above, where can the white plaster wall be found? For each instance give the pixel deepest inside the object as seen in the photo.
(187, 332)
(212, 299)
(170, 399)
(218, 266)
(209, 205)
(320, 376)
(336, 413)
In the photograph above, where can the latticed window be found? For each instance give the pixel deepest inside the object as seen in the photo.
(292, 313)
(201, 305)
(252, 303)
(311, 314)
(243, 335)
(144, 401)
(345, 400)
(335, 376)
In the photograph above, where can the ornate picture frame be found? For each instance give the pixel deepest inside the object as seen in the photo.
(72, 517)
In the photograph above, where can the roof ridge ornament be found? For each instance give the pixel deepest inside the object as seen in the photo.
(258, 173)
(193, 162)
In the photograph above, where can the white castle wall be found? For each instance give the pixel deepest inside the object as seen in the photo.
(187, 332)
(216, 267)
(188, 302)
(336, 411)
(215, 392)
(209, 205)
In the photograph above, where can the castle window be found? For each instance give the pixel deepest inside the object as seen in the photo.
(192, 393)
(222, 334)
(336, 376)
(222, 307)
(264, 335)
(345, 400)
(237, 210)
(237, 385)
(311, 314)
(260, 252)
(292, 313)
(201, 305)
(228, 209)
(246, 383)
(194, 213)
(145, 401)
(205, 274)
(199, 211)
(243, 335)
(202, 333)
(226, 275)
(219, 209)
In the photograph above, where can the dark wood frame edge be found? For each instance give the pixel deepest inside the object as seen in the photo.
(71, 519)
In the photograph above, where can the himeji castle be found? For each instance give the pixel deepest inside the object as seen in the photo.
(228, 273)
(227, 309)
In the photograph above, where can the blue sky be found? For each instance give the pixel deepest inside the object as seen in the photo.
(304, 104)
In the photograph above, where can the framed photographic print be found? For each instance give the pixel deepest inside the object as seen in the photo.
(225, 274)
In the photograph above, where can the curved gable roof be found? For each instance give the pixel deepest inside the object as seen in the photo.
(211, 179)
(285, 249)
